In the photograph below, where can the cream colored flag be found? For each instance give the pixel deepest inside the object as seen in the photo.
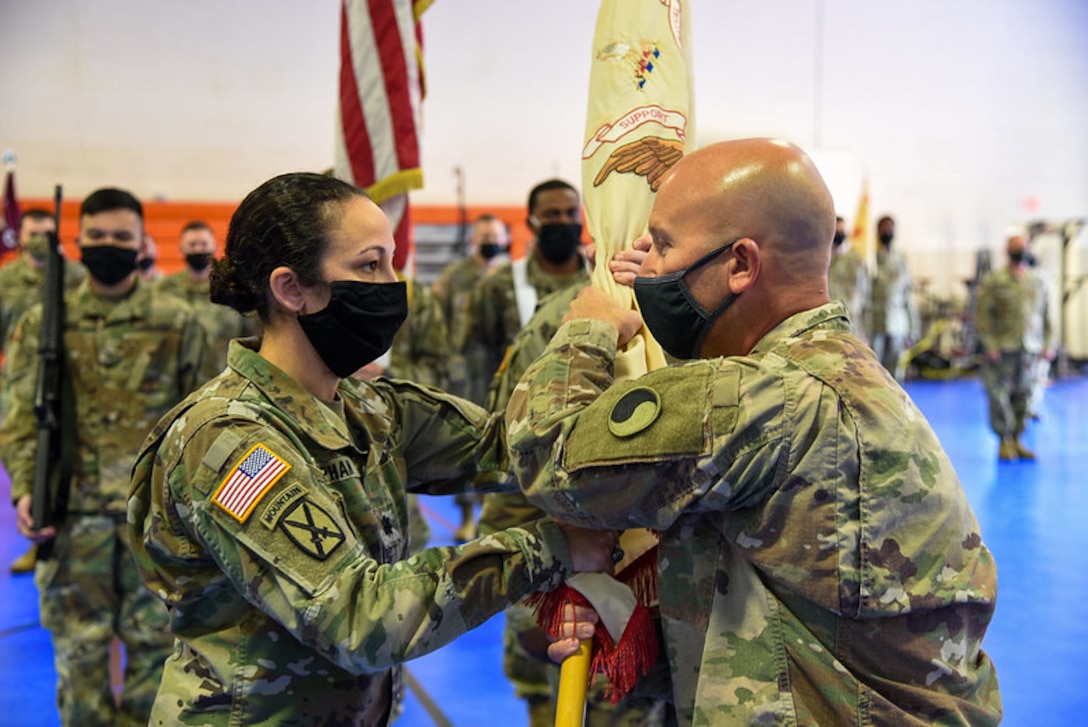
(638, 123)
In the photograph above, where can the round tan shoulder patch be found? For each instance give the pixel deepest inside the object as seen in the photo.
(635, 411)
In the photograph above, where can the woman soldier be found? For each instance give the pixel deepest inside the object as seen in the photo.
(269, 508)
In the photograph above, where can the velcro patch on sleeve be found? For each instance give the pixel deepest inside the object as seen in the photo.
(313, 530)
(249, 480)
(660, 415)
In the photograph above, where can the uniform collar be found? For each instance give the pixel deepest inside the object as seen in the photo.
(320, 421)
(829, 316)
(134, 305)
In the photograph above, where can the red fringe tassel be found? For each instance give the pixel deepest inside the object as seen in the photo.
(628, 660)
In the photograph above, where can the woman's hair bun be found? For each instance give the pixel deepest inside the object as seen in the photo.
(230, 288)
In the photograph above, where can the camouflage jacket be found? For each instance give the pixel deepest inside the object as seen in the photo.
(453, 289)
(892, 307)
(276, 528)
(220, 321)
(493, 309)
(1012, 312)
(21, 288)
(819, 562)
(130, 360)
(421, 349)
(848, 281)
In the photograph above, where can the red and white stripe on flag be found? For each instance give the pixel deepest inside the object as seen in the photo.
(248, 482)
(381, 91)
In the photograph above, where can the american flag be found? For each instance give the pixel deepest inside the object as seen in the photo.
(248, 481)
(378, 119)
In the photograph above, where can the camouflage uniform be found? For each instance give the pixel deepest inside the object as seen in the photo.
(493, 312)
(1012, 316)
(893, 313)
(130, 360)
(535, 680)
(221, 322)
(21, 288)
(819, 562)
(453, 288)
(421, 348)
(298, 605)
(848, 281)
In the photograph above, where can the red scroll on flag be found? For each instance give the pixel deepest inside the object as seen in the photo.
(378, 119)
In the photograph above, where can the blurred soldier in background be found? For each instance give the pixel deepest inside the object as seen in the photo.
(895, 320)
(1012, 320)
(848, 281)
(199, 248)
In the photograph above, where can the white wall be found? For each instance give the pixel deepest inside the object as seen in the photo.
(965, 115)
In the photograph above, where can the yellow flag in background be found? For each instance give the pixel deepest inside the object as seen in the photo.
(638, 123)
(861, 236)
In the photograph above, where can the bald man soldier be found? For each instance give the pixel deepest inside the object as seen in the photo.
(819, 562)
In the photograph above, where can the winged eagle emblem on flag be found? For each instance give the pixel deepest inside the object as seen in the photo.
(650, 157)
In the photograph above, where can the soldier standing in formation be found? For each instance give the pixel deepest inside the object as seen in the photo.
(505, 300)
(132, 354)
(490, 241)
(20, 289)
(894, 315)
(1012, 320)
(848, 281)
(199, 248)
(818, 559)
(286, 570)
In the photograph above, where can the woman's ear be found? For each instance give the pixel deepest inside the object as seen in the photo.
(286, 289)
(746, 264)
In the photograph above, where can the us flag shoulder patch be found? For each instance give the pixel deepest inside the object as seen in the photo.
(249, 480)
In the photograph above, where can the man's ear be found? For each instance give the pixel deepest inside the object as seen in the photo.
(533, 224)
(746, 265)
(287, 289)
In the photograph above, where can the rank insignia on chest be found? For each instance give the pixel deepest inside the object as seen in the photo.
(248, 481)
(312, 529)
(633, 413)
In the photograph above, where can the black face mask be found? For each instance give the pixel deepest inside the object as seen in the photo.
(489, 250)
(358, 324)
(670, 311)
(198, 262)
(1018, 257)
(558, 241)
(886, 238)
(108, 264)
(840, 237)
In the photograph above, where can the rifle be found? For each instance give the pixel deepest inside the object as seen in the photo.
(53, 399)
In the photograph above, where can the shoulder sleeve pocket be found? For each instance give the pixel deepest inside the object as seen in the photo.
(661, 415)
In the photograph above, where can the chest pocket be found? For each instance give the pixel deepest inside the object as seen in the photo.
(369, 504)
